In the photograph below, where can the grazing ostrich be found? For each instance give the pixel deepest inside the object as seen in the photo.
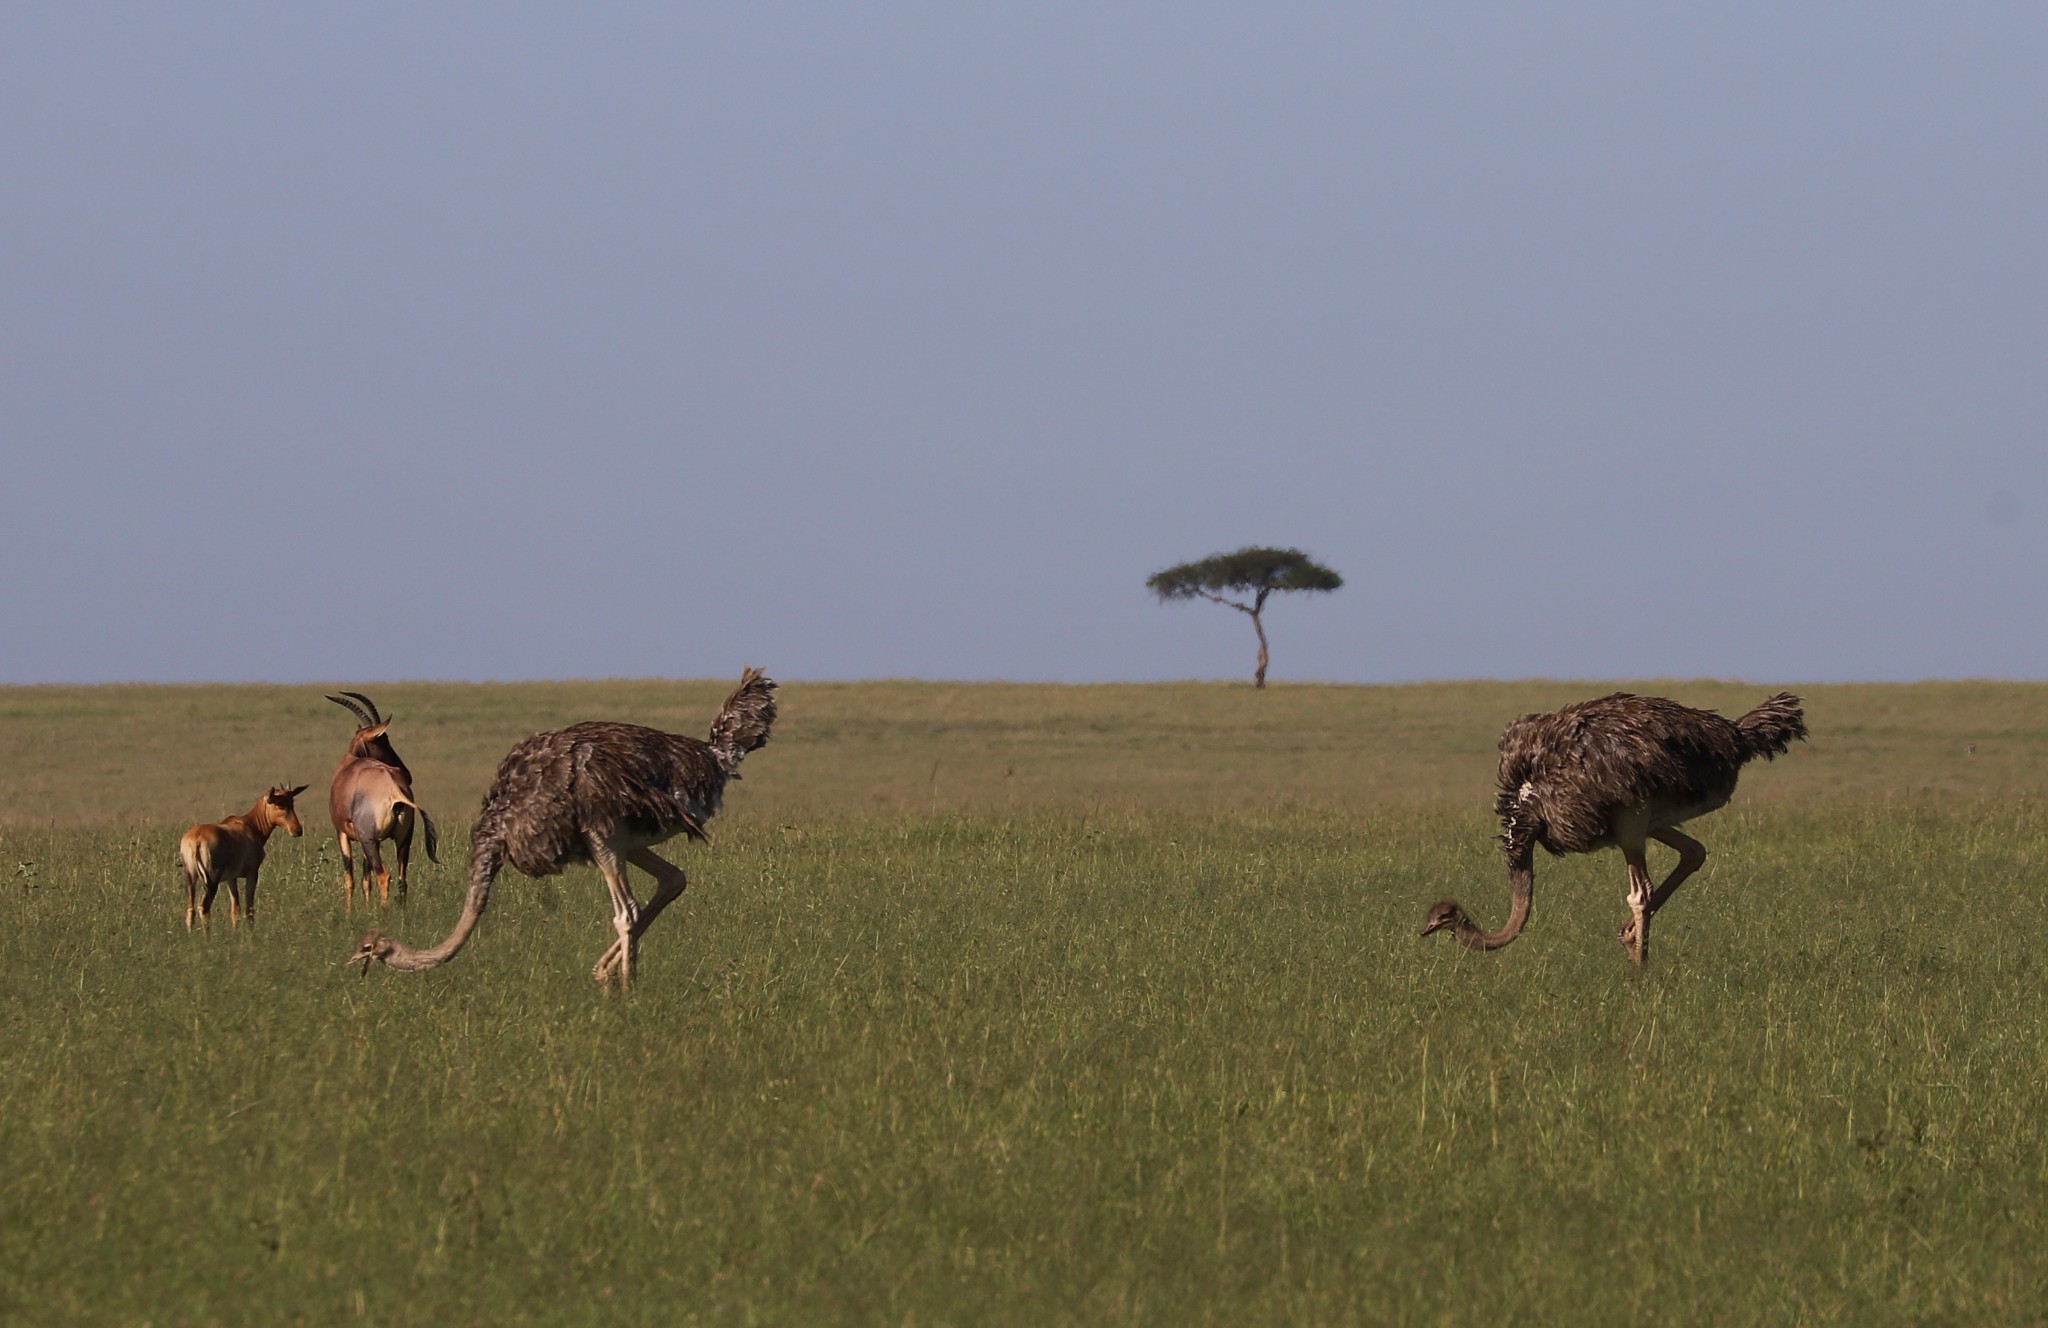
(605, 794)
(371, 800)
(1619, 770)
(232, 851)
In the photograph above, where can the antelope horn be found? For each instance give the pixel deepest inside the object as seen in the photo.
(368, 718)
(375, 718)
(351, 706)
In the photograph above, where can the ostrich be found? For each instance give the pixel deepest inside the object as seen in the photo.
(601, 793)
(1618, 771)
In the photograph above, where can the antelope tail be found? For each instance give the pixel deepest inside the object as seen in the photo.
(427, 823)
(1771, 729)
(195, 855)
(743, 722)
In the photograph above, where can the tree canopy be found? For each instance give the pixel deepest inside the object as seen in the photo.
(1253, 570)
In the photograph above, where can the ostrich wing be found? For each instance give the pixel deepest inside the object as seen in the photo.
(1573, 767)
(555, 789)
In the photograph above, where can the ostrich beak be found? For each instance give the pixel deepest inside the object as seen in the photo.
(1435, 924)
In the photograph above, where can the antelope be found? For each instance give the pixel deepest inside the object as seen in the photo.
(371, 800)
(232, 851)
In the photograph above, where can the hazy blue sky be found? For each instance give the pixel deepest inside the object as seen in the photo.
(377, 341)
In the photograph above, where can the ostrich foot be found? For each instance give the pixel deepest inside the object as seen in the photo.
(1634, 936)
(611, 964)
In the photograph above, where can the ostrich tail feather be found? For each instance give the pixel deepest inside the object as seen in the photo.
(1771, 729)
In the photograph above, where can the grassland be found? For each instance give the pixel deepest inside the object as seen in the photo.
(996, 1004)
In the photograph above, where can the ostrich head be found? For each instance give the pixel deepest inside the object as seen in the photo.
(1444, 913)
(376, 947)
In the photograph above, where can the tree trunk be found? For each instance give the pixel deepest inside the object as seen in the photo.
(1259, 678)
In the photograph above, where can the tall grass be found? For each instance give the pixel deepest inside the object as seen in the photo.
(962, 1047)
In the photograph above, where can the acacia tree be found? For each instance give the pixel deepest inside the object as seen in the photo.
(1253, 571)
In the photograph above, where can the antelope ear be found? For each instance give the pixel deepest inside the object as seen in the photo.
(297, 791)
(377, 731)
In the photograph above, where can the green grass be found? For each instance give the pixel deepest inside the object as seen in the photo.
(1138, 1031)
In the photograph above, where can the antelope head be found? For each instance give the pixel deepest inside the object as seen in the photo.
(278, 803)
(370, 739)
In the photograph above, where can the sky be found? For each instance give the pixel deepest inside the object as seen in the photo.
(377, 341)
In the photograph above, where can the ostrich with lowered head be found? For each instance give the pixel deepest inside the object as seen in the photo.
(1617, 771)
(601, 793)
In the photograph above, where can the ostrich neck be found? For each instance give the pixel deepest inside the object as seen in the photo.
(1522, 884)
(483, 870)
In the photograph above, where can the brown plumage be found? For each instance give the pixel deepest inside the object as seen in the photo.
(1617, 771)
(371, 800)
(601, 793)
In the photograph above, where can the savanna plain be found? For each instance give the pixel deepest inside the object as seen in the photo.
(1039, 1005)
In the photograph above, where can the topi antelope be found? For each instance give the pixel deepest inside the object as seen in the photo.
(371, 800)
(232, 851)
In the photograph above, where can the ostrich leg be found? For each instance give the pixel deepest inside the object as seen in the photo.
(1692, 855)
(625, 914)
(1635, 935)
(669, 885)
